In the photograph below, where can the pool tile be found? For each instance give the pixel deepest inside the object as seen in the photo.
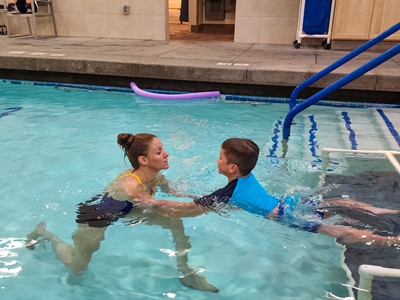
(224, 97)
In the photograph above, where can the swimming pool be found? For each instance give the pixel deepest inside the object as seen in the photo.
(58, 148)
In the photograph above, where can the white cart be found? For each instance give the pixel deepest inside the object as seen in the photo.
(300, 34)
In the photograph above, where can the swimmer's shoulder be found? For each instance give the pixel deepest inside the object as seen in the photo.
(128, 190)
(125, 173)
(126, 187)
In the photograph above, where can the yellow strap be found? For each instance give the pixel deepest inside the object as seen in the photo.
(134, 175)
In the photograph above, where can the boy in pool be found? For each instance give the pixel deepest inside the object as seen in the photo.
(237, 159)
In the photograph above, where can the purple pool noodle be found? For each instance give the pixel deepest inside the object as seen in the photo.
(188, 96)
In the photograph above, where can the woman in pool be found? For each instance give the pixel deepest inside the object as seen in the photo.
(122, 198)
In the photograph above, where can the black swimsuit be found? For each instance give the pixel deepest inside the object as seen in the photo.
(103, 213)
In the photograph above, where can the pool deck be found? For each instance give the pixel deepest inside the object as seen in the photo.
(188, 65)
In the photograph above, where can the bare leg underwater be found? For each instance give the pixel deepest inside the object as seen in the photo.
(191, 278)
(86, 242)
(354, 204)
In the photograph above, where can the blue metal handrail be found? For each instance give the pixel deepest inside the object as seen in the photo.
(340, 62)
(337, 85)
(295, 109)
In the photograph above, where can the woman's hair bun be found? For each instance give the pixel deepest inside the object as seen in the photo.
(125, 139)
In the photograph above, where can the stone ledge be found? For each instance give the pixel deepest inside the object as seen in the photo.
(383, 78)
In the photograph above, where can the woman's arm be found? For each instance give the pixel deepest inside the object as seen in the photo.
(164, 185)
(170, 204)
(273, 214)
(175, 208)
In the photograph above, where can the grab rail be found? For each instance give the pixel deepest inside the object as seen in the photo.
(337, 85)
(340, 62)
(389, 155)
(367, 273)
(294, 110)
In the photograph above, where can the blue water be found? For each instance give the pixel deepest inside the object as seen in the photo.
(58, 148)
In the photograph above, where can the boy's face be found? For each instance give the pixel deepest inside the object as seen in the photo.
(222, 162)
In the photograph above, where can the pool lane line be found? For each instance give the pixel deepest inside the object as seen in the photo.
(275, 138)
(352, 135)
(313, 143)
(11, 110)
(389, 126)
(312, 140)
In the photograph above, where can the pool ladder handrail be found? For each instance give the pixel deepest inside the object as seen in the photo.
(389, 155)
(367, 273)
(295, 109)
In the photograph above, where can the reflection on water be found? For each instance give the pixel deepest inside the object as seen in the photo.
(9, 266)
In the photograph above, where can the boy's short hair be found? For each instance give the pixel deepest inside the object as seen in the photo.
(241, 152)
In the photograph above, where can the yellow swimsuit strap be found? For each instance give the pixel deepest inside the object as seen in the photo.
(134, 175)
(151, 190)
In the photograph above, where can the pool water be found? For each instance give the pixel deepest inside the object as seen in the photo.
(58, 148)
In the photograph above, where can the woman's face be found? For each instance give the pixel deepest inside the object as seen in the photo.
(157, 158)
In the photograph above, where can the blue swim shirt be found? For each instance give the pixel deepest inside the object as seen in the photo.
(245, 192)
(252, 197)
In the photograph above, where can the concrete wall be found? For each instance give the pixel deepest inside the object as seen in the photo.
(148, 19)
(266, 21)
(256, 21)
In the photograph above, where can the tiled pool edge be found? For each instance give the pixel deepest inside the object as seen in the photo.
(227, 97)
